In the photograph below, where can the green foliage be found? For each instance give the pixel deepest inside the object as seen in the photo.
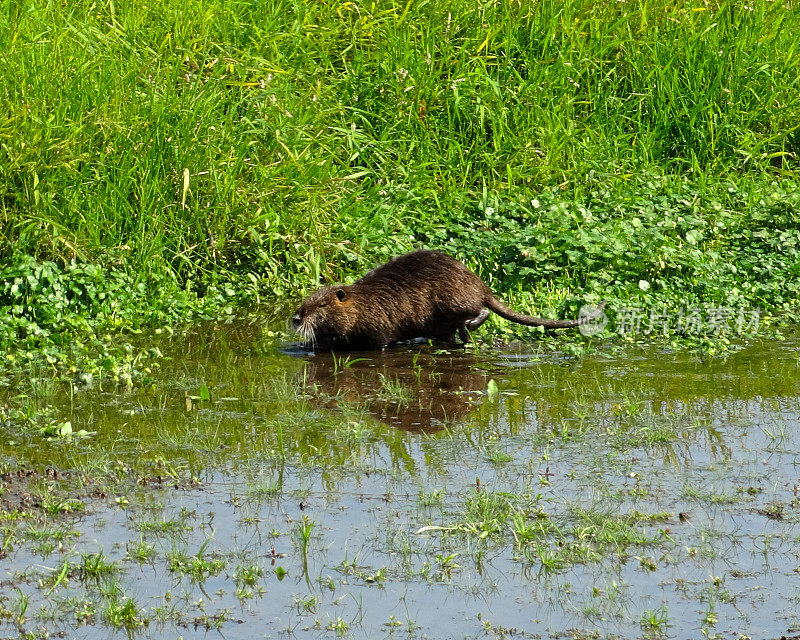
(163, 162)
(96, 566)
(199, 566)
(61, 317)
(122, 613)
(583, 536)
(43, 298)
(690, 246)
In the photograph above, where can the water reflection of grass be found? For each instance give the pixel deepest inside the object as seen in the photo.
(567, 487)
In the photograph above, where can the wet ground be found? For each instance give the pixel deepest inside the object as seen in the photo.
(253, 491)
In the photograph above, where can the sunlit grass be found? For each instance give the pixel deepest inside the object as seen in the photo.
(184, 136)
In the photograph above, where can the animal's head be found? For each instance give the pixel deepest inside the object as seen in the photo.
(326, 317)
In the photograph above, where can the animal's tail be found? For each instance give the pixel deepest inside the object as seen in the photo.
(509, 314)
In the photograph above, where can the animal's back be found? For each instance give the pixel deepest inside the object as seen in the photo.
(430, 275)
(425, 293)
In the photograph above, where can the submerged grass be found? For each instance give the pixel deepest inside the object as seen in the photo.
(551, 498)
(546, 539)
(199, 566)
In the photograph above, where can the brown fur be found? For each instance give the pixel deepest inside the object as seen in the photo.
(423, 294)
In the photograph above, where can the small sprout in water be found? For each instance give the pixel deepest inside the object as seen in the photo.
(654, 622)
(22, 607)
(280, 572)
(64, 430)
(339, 626)
(447, 564)
(307, 604)
(305, 533)
(379, 577)
(491, 389)
(392, 622)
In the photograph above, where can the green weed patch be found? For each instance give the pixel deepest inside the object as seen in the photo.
(160, 163)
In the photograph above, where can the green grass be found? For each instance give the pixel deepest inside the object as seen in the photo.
(264, 488)
(247, 575)
(184, 160)
(654, 623)
(171, 527)
(122, 613)
(552, 542)
(141, 551)
(222, 149)
(96, 566)
(198, 566)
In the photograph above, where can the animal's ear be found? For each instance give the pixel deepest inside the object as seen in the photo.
(341, 294)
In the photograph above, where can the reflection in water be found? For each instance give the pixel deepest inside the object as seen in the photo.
(415, 389)
(670, 404)
(328, 467)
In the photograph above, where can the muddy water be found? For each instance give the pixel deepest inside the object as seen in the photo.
(640, 494)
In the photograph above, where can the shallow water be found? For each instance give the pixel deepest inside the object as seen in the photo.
(623, 494)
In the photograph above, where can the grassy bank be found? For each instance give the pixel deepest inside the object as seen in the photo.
(186, 155)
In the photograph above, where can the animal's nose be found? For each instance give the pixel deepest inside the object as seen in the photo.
(296, 320)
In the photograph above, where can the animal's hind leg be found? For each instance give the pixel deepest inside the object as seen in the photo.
(472, 324)
(477, 321)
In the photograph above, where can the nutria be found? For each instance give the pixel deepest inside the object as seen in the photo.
(422, 294)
